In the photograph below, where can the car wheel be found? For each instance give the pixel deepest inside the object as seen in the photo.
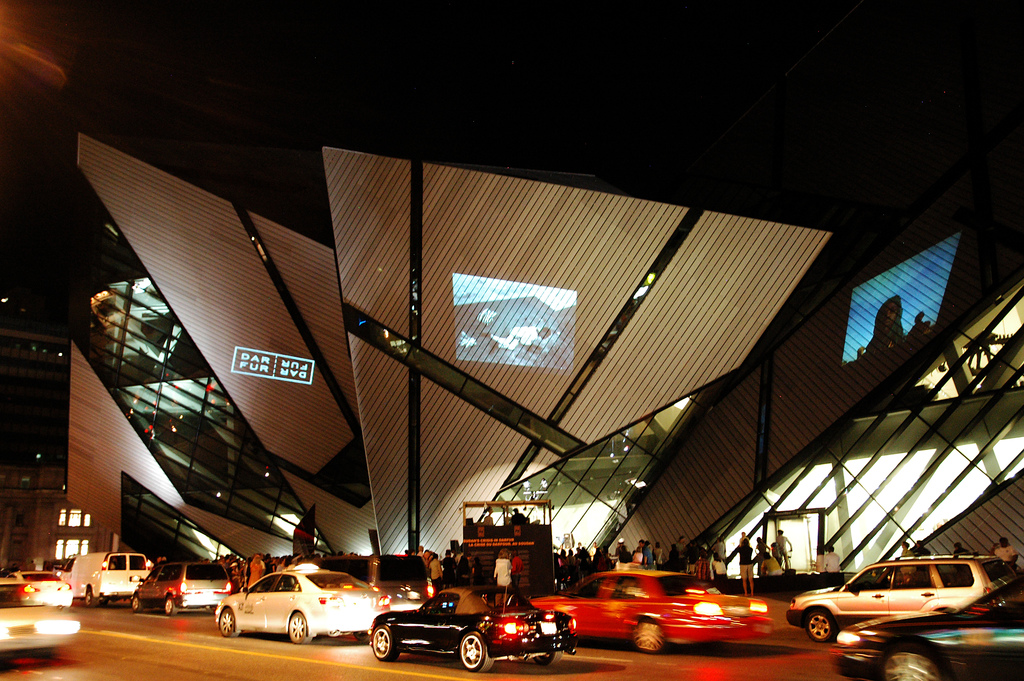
(548, 658)
(136, 604)
(648, 637)
(383, 645)
(820, 625)
(911, 663)
(298, 629)
(361, 636)
(227, 624)
(90, 598)
(170, 607)
(473, 653)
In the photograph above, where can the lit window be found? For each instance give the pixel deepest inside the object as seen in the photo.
(62, 520)
(84, 548)
(26, 481)
(75, 518)
(59, 553)
(87, 520)
(71, 548)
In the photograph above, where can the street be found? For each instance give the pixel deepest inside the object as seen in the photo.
(115, 644)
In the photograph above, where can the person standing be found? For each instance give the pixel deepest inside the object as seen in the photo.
(448, 569)
(436, 571)
(1006, 552)
(256, 569)
(516, 568)
(503, 569)
(785, 549)
(462, 571)
(831, 559)
(746, 566)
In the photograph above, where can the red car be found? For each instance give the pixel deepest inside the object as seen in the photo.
(652, 608)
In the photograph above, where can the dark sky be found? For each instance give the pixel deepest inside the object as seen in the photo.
(631, 98)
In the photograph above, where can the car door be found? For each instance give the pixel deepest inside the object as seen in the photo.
(627, 597)
(429, 627)
(253, 611)
(148, 587)
(867, 595)
(912, 588)
(586, 605)
(280, 603)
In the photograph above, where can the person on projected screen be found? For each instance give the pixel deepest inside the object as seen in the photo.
(888, 325)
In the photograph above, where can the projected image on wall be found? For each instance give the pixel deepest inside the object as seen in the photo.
(514, 323)
(899, 305)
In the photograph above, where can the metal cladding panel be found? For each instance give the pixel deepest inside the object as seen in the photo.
(308, 271)
(980, 530)
(370, 199)
(342, 524)
(813, 385)
(241, 538)
(382, 387)
(709, 307)
(102, 444)
(711, 473)
(466, 457)
(196, 250)
(514, 237)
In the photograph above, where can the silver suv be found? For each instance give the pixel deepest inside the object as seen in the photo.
(895, 587)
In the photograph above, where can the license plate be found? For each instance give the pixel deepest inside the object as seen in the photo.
(548, 628)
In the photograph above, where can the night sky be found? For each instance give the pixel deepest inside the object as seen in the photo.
(632, 98)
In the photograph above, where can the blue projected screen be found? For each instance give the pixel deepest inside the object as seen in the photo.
(901, 303)
(513, 323)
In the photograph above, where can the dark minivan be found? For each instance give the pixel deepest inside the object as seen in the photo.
(182, 586)
(403, 578)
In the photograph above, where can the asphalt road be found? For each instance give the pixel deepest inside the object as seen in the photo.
(115, 644)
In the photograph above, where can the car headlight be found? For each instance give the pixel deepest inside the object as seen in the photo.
(848, 638)
(57, 627)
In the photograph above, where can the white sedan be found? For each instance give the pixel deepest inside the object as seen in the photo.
(50, 589)
(303, 602)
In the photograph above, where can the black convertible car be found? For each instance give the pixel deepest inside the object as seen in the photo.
(479, 624)
(984, 640)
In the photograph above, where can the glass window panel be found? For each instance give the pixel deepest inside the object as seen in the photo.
(929, 491)
(904, 477)
(813, 477)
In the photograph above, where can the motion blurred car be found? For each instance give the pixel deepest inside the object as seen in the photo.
(981, 641)
(182, 586)
(51, 589)
(478, 624)
(652, 608)
(28, 623)
(303, 602)
(894, 587)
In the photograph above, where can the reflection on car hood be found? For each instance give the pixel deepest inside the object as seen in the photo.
(816, 592)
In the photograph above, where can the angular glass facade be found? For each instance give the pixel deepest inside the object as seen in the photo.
(157, 529)
(594, 490)
(907, 468)
(170, 396)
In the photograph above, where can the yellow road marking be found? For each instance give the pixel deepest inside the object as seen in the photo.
(290, 658)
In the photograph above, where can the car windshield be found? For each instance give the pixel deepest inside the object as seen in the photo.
(497, 600)
(333, 581)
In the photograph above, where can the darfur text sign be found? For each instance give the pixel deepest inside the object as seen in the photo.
(272, 365)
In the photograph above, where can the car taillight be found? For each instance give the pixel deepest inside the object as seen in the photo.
(430, 590)
(758, 606)
(28, 588)
(64, 587)
(693, 591)
(707, 608)
(572, 625)
(103, 565)
(183, 588)
(515, 628)
(225, 590)
(384, 601)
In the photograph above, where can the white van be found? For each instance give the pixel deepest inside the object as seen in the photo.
(100, 577)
